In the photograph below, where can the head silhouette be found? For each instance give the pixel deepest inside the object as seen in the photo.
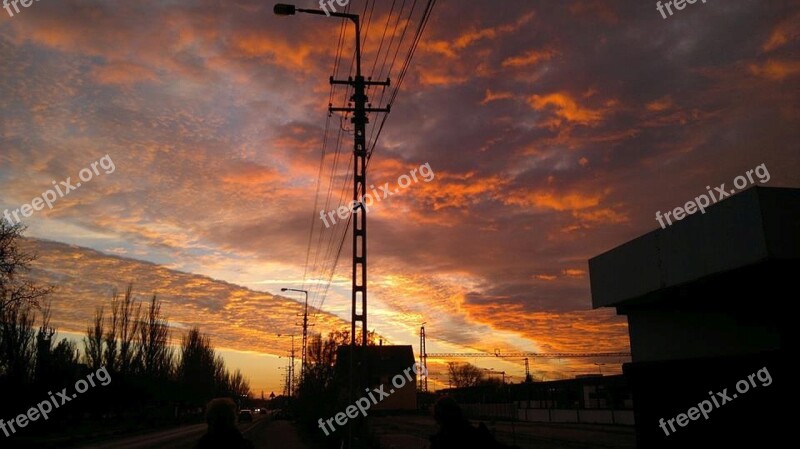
(221, 414)
(446, 412)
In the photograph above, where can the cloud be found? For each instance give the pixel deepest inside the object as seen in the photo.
(566, 107)
(775, 70)
(784, 32)
(123, 73)
(530, 57)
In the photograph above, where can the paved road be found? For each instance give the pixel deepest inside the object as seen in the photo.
(263, 432)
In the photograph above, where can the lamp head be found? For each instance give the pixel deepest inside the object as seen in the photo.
(282, 9)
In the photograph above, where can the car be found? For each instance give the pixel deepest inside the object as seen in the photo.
(245, 415)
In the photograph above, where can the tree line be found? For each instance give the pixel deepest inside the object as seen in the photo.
(152, 380)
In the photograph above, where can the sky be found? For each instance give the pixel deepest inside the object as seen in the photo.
(547, 133)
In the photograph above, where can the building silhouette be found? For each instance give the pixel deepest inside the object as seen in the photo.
(709, 303)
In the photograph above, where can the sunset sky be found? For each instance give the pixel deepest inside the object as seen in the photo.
(555, 129)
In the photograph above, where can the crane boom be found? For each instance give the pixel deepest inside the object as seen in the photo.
(553, 355)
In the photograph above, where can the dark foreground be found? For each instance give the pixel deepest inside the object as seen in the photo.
(263, 432)
(399, 432)
(412, 432)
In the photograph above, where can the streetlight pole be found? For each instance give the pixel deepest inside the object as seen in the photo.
(359, 214)
(305, 330)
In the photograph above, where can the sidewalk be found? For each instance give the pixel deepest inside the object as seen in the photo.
(276, 434)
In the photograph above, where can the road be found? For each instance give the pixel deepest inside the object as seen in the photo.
(263, 432)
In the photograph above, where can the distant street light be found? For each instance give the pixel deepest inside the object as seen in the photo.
(600, 367)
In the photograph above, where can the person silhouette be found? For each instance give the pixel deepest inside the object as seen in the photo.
(455, 431)
(222, 431)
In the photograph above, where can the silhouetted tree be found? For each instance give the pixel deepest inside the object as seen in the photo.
(93, 342)
(129, 320)
(198, 368)
(238, 384)
(17, 343)
(154, 353)
(54, 364)
(15, 288)
(110, 337)
(318, 393)
(464, 374)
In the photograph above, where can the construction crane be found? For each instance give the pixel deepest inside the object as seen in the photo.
(424, 355)
(549, 355)
(523, 355)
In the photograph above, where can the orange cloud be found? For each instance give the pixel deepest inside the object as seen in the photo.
(546, 277)
(784, 32)
(123, 73)
(660, 105)
(774, 69)
(602, 216)
(494, 96)
(574, 273)
(471, 36)
(566, 107)
(583, 206)
(459, 191)
(529, 58)
(252, 175)
(554, 201)
(428, 78)
(293, 56)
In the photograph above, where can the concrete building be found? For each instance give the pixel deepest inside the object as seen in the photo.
(381, 365)
(709, 302)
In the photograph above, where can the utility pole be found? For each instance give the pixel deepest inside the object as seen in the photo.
(303, 350)
(359, 216)
(423, 360)
(360, 109)
(290, 368)
(527, 371)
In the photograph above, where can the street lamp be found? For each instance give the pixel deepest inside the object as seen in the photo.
(305, 326)
(282, 9)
